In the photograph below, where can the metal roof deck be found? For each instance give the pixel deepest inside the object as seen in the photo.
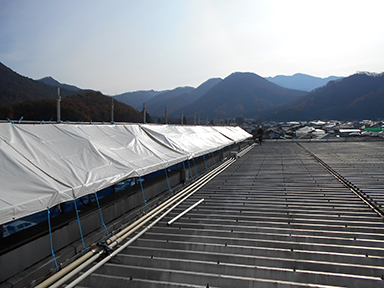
(274, 218)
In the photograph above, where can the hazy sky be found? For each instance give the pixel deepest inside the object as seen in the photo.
(119, 46)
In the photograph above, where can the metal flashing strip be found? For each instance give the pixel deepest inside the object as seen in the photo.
(185, 212)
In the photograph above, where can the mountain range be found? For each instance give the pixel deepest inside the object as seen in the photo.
(177, 98)
(137, 98)
(359, 96)
(243, 94)
(301, 81)
(249, 102)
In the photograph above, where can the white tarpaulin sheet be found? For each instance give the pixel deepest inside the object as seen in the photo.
(234, 133)
(44, 165)
(193, 140)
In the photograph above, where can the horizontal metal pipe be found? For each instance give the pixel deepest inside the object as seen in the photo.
(55, 277)
(246, 150)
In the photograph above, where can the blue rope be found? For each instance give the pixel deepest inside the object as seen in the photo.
(195, 166)
(190, 170)
(142, 190)
(78, 221)
(186, 178)
(54, 262)
(101, 215)
(205, 162)
(213, 156)
(169, 186)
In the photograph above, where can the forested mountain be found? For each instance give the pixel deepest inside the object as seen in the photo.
(34, 100)
(50, 81)
(359, 96)
(156, 105)
(178, 98)
(137, 98)
(82, 106)
(16, 88)
(203, 88)
(240, 94)
(301, 81)
(91, 105)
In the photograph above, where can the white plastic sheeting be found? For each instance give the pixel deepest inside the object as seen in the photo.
(44, 165)
(192, 140)
(235, 133)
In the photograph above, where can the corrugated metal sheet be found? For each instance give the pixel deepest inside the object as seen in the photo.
(275, 218)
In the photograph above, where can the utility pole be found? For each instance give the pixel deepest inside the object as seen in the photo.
(166, 115)
(194, 118)
(198, 121)
(207, 121)
(144, 114)
(58, 104)
(112, 110)
(182, 117)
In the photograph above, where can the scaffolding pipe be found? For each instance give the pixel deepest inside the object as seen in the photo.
(144, 114)
(69, 271)
(58, 105)
(112, 110)
(244, 151)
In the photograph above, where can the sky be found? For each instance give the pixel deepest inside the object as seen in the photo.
(118, 46)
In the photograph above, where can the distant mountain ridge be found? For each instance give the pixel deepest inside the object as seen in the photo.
(179, 97)
(301, 81)
(137, 98)
(359, 96)
(50, 81)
